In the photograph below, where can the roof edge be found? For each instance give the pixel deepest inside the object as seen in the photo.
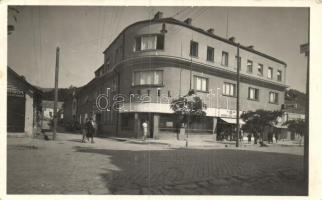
(175, 21)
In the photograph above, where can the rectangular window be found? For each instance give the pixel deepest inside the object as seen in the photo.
(229, 89)
(201, 83)
(210, 54)
(194, 48)
(270, 73)
(224, 59)
(273, 97)
(279, 75)
(150, 42)
(249, 66)
(260, 69)
(148, 77)
(253, 93)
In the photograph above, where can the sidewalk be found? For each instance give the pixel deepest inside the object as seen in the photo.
(195, 143)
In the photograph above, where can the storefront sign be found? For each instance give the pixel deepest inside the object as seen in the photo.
(15, 92)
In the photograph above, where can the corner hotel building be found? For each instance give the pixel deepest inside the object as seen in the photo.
(152, 61)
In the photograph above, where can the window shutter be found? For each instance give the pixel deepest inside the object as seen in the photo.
(160, 42)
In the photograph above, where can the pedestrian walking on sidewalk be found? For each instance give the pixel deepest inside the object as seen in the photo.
(90, 129)
(84, 131)
(255, 137)
(145, 129)
(249, 136)
(178, 126)
(241, 135)
(276, 136)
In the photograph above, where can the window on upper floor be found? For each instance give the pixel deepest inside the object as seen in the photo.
(210, 54)
(150, 42)
(253, 93)
(273, 97)
(249, 66)
(229, 89)
(118, 54)
(201, 84)
(154, 77)
(270, 73)
(260, 69)
(279, 75)
(224, 58)
(193, 48)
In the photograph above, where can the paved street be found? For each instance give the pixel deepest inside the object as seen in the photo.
(66, 166)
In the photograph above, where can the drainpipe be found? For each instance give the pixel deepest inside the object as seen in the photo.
(118, 92)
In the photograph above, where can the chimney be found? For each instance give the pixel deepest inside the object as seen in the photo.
(158, 15)
(188, 21)
(250, 47)
(232, 39)
(211, 31)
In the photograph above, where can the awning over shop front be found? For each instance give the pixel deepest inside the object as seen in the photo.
(232, 120)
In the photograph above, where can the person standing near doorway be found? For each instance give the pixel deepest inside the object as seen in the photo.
(145, 129)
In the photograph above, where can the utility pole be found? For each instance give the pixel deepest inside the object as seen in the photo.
(237, 106)
(56, 93)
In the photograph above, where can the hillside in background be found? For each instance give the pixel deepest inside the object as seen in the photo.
(49, 93)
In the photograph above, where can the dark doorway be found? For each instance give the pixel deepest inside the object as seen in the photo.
(16, 114)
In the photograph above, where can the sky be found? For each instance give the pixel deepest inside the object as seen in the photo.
(83, 33)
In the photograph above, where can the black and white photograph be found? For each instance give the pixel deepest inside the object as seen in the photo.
(157, 100)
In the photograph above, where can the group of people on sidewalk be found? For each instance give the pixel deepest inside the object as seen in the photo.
(256, 137)
(88, 129)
